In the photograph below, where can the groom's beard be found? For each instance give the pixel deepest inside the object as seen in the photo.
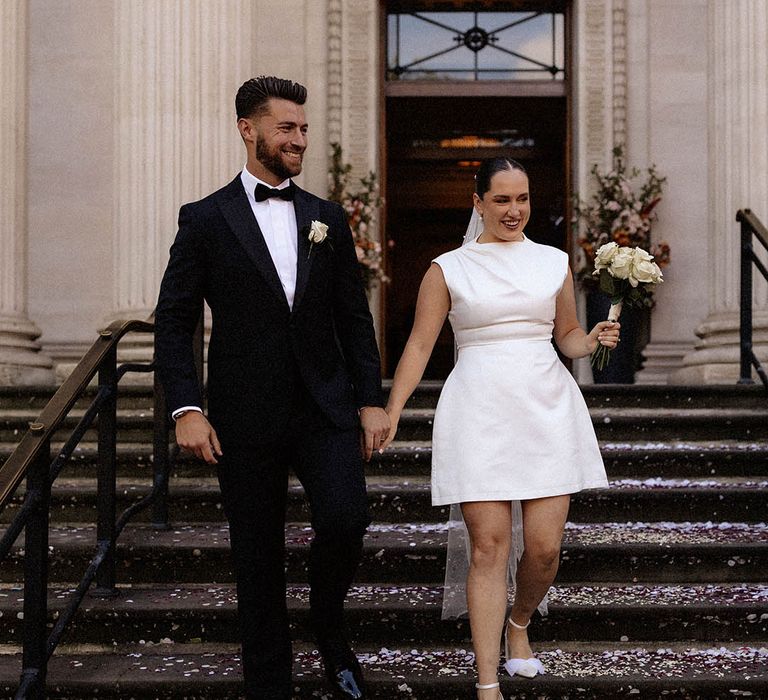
(273, 161)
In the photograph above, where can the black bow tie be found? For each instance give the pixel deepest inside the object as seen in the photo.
(263, 192)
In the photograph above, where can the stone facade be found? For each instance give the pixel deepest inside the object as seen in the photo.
(21, 361)
(118, 112)
(667, 125)
(737, 110)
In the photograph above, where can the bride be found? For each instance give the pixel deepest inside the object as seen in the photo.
(512, 434)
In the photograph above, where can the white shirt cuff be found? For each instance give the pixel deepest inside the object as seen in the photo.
(176, 413)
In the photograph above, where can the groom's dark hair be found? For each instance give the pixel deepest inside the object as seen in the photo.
(253, 96)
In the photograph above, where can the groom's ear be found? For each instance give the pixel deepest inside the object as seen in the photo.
(247, 129)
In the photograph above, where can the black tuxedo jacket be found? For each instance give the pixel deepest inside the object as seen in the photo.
(259, 348)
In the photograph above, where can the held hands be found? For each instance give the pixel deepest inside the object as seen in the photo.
(374, 425)
(604, 333)
(394, 419)
(196, 435)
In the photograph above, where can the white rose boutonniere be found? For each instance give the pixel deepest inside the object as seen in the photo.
(318, 232)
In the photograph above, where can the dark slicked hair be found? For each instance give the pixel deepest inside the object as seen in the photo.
(489, 167)
(253, 96)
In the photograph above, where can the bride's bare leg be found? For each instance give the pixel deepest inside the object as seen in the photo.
(543, 526)
(490, 532)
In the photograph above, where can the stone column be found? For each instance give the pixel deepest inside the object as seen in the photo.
(354, 83)
(667, 113)
(599, 77)
(599, 94)
(21, 361)
(178, 65)
(738, 178)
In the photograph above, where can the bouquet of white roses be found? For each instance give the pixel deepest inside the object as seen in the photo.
(627, 275)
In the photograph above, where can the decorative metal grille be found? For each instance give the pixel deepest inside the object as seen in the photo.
(476, 46)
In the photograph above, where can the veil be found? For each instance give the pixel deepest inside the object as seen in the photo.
(457, 559)
(474, 228)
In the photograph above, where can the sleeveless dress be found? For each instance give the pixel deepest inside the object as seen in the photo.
(511, 423)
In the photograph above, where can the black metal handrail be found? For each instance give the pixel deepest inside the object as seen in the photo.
(32, 459)
(751, 228)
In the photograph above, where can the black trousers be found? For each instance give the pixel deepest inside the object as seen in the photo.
(254, 483)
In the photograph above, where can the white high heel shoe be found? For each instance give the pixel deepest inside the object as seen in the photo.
(527, 668)
(488, 686)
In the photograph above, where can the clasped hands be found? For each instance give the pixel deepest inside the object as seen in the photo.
(374, 430)
(196, 435)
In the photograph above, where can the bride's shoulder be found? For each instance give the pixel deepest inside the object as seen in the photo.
(449, 256)
(549, 251)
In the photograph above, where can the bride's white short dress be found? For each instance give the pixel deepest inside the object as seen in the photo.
(511, 423)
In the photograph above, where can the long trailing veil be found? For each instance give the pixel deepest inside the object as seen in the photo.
(457, 560)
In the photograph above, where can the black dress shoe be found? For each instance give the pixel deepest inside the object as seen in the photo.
(342, 669)
(347, 682)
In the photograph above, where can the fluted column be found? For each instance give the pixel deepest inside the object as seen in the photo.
(738, 178)
(354, 84)
(21, 361)
(600, 86)
(360, 83)
(668, 70)
(600, 97)
(178, 66)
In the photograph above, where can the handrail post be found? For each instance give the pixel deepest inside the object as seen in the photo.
(106, 496)
(35, 655)
(745, 315)
(161, 463)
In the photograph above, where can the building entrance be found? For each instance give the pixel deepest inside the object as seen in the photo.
(462, 86)
(434, 148)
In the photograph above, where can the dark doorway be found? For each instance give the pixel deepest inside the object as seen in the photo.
(434, 145)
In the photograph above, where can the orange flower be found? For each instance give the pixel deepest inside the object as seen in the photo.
(622, 237)
(661, 254)
(646, 211)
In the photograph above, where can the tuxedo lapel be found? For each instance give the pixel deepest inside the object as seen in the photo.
(239, 216)
(307, 210)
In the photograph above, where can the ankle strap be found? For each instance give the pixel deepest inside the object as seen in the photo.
(519, 627)
(488, 686)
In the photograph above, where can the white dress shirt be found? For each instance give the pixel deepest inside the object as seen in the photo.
(277, 220)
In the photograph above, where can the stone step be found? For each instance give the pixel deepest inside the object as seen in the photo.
(387, 614)
(623, 459)
(611, 423)
(627, 552)
(134, 425)
(403, 498)
(635, 458)
(427, 393)
(685, 458)
(630, 423)
(669, 397)
(36, 397)
(415, 672)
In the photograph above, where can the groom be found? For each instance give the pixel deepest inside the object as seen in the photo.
(293, 381)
